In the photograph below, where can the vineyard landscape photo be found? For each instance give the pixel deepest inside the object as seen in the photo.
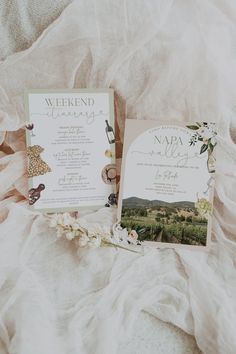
(160, 221)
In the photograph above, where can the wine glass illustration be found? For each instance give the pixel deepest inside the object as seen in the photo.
(30, 127)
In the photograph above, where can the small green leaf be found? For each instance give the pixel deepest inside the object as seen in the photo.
(203, 148)
(193, 127)
(211, 147)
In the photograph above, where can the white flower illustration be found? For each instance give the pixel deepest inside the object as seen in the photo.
(205, 133)
(133, 236)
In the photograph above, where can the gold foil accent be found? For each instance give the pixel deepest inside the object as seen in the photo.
(36, 166)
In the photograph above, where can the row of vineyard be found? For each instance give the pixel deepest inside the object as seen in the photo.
(188, 234)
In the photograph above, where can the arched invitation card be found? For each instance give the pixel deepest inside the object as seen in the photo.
(167, 182)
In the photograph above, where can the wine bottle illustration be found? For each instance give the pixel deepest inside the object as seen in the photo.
(110, 133)
(211, 162)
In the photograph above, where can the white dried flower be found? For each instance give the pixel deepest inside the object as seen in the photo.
(95, 230)
(53, 222)
(55, 219)
(92, 235)
(67, 219)
(70, 235)
(83, 241)
(83, 223)
(76, 226)
(59, 232)
(95, 242)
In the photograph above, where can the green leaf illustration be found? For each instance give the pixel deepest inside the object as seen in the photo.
(211, 147)
(203, 148)
(193, 127)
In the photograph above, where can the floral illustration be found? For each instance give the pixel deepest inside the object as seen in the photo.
(204, 207)
(206, 133)
(89, 235)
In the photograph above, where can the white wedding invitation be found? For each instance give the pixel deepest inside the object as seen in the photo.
(167, 182)
(70, 148)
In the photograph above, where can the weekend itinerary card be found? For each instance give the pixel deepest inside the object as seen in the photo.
(71, 149)
(167, 182)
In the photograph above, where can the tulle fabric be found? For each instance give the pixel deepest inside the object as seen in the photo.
(168, 60)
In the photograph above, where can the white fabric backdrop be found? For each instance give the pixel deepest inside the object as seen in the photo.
(167, 60)
(22, 21)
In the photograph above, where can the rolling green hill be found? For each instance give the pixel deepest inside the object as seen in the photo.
(134, 202)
